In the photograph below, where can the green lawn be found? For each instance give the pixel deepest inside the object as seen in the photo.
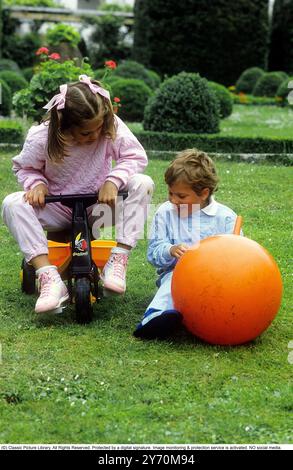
(65, 383)
(254, 121)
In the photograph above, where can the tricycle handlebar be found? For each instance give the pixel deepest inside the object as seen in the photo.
(87, 198)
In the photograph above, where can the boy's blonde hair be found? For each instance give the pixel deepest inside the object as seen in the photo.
(81, 104)
(194, 168)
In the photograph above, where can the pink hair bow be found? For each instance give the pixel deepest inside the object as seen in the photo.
(58, 100)
(94, 88)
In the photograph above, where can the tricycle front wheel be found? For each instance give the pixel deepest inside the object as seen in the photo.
(83, 306)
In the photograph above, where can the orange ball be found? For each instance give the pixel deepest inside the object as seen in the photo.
(228, 289)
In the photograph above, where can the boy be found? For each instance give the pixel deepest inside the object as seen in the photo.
(190, 215)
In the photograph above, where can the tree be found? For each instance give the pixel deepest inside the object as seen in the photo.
(281, 47)
(0, 29)
(217, 38)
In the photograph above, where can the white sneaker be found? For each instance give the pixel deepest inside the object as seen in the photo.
(53, 292)
(114, 273)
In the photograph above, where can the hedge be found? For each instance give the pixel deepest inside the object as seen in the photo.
(218, 39)
(11, 132)
(251, 100)
(213, 143)
(276, 158)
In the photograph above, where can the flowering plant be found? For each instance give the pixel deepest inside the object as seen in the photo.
(111, 65)
(116, 104)
(48, 76)
(43, 53)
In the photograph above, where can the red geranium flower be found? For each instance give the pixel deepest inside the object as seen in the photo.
(110, 64)
(116, 99)
(54, 56)
(42, 50)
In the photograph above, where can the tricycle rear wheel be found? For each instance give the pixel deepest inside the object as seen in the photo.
(28, 278)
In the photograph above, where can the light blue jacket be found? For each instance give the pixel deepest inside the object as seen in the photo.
(169, 229)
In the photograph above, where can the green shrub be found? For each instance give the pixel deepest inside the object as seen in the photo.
(283, 91)
(283, 75)
(45, 84)
(28, 73)
(22, 48)
(63, 33)
(14, 80)
(7, 64)
(99, 74)
(6, 101)
(267, 85)
(247, 80)
(132, 69)
(133, 94)
(183, 103)
(155, 78)
(224, 97)
(11, 132)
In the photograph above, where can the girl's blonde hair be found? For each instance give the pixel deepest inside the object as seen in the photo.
(194, 168)
(81, 104)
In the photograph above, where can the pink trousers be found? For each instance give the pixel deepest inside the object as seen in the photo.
(27, 223)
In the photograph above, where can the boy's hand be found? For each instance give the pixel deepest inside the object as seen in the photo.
(178, 250)
(36, 196)
(108, 193)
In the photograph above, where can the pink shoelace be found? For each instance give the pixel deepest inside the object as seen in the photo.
(119, 262)
(45, 282)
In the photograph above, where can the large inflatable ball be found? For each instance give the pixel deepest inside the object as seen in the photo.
(228, 289)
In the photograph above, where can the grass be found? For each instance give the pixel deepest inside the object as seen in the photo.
(253, 121)
(65, 383)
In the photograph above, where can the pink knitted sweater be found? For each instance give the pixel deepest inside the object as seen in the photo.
(86, 168)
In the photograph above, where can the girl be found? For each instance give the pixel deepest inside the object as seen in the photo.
(71, 151)
(190, 215)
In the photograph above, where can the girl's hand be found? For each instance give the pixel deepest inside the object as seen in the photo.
(108, 193)
(36, 196)
(178, 250)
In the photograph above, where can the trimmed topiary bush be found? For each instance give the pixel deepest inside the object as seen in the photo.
(283, 91)
(28, 73)
(132, 69)
(21, 48)
(183, 103)
(7, 64)
(224, 97)
(268, 84)
(155, 78)
(134, 95)
(14, 80)
(247, 80)
(283, 75)
(6, 99)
